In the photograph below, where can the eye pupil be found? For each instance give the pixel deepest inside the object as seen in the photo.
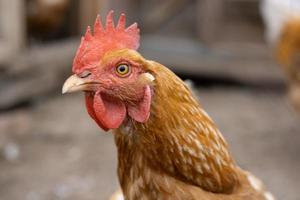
(122, 68)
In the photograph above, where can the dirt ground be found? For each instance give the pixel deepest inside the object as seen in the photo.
(55, 151)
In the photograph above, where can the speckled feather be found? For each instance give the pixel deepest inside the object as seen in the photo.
(178, 153)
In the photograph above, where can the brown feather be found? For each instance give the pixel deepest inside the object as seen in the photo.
(178, 153)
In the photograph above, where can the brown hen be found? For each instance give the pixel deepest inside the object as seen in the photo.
(168, 146)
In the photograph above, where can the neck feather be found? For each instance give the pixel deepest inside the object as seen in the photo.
(179, 140)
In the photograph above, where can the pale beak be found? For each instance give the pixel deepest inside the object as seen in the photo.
(74, 84)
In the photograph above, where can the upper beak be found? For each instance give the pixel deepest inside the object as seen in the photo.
(74, 83)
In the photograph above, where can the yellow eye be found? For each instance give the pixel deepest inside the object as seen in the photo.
(123, 69)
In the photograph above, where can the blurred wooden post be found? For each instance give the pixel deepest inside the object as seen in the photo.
(130, 7)
(12, 28)
(209, 19)
(88, 10)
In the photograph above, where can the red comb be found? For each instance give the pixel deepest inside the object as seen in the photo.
(94, 46)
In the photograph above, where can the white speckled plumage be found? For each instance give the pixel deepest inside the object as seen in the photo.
(185, 150)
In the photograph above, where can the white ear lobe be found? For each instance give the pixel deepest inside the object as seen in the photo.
(146, 78)
(149, 77)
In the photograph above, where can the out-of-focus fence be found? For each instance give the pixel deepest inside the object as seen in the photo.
(38, 39)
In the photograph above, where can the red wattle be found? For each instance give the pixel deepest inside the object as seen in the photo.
(110, 112)
(141, 111)
(89, 102)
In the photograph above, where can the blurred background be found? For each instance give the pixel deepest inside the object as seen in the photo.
(227, 50)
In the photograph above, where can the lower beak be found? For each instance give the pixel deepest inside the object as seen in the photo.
(74, 84)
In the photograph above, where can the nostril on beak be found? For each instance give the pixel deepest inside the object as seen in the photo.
(72, 84)
(85, 74)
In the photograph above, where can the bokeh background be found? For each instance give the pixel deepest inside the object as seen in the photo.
(51, 149)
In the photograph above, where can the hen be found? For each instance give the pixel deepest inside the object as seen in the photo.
(168, 147)
(282, 20)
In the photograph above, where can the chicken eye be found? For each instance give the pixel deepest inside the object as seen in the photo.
(123, 69)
